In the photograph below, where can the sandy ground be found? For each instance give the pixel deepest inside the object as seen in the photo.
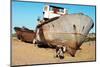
(26, 54)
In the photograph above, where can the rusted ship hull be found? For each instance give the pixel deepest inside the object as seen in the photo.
(68, 30)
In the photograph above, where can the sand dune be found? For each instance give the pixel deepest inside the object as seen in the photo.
(25, 54)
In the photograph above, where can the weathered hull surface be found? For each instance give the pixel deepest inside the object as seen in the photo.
(67, 38)
(68, 30)
(24, 34)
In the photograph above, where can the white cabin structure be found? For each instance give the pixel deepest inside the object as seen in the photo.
(50, 11)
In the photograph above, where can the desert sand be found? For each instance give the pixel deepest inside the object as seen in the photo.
(26, 54)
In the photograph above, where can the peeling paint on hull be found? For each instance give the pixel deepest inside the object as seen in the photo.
(68, 30)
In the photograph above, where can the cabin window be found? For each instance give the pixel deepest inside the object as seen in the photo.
(55, 10)
(51, 9)
(45, 8)
(61, 10)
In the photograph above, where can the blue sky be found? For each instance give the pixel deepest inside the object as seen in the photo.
(26, 13)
